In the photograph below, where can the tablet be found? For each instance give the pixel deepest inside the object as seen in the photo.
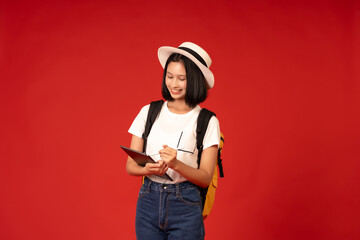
(142, 159)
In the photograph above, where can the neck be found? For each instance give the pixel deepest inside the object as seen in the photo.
(178, 107)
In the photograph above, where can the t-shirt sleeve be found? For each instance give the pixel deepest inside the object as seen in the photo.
(138, 126)
(212, 135)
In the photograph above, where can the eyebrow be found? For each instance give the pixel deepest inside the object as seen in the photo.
(175, 74)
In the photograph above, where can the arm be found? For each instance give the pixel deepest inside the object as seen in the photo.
(202, 176)
(134, 169)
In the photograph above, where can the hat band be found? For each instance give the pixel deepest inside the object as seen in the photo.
(195, 54)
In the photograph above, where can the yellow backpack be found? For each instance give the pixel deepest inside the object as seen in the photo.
(210, 195)
(207, 194)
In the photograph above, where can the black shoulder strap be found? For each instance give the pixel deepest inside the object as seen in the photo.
(154, 110)
(202, 124)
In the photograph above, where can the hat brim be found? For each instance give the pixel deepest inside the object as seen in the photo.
(165, 52)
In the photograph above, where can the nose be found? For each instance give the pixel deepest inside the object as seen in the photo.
(176, 82)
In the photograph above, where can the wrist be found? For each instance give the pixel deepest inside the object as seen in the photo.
(175, 166)
(143, 171)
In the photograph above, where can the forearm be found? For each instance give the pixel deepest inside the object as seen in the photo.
(197, 176)
(134, 169)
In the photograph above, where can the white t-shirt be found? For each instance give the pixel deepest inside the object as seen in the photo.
(178, 131)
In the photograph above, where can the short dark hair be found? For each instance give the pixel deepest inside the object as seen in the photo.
(196, 90)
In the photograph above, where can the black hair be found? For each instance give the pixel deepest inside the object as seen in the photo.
(196, 90)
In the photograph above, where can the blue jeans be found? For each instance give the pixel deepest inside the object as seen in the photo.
(169, 211)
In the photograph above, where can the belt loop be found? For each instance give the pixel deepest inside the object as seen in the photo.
(177, 189)
(147, 181)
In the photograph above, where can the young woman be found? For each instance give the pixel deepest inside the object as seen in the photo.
(172, 209)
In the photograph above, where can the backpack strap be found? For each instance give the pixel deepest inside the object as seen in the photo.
(202, 124)
(154, 110)
(221, 170)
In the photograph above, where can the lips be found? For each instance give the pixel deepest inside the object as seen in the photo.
(175, 92)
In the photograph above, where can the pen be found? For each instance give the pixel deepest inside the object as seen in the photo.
(177, 149)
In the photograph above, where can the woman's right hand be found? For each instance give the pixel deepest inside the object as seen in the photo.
(158, 168)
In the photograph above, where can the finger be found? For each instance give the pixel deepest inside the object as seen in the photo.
(163, 171)
(166, 152)
(164, 166)
(165, 158)
(165, 149)
(152, 165)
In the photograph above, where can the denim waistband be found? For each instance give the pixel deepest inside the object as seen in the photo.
(168, 187)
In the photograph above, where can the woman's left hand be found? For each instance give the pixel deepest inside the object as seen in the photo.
(168, 155)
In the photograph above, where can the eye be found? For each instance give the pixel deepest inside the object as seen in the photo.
(182, 79)
(170, 77)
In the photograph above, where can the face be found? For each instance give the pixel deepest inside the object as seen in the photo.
(176, 80)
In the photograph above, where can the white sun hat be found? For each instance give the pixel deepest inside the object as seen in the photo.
(195, 53)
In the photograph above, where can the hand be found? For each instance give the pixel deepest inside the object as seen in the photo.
(158, 168)
(168, 155)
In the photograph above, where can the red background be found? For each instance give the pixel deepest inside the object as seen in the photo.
(74, 74)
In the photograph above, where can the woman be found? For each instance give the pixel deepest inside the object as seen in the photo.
(172, 209)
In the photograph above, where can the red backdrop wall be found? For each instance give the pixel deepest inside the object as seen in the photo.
(74, 74)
